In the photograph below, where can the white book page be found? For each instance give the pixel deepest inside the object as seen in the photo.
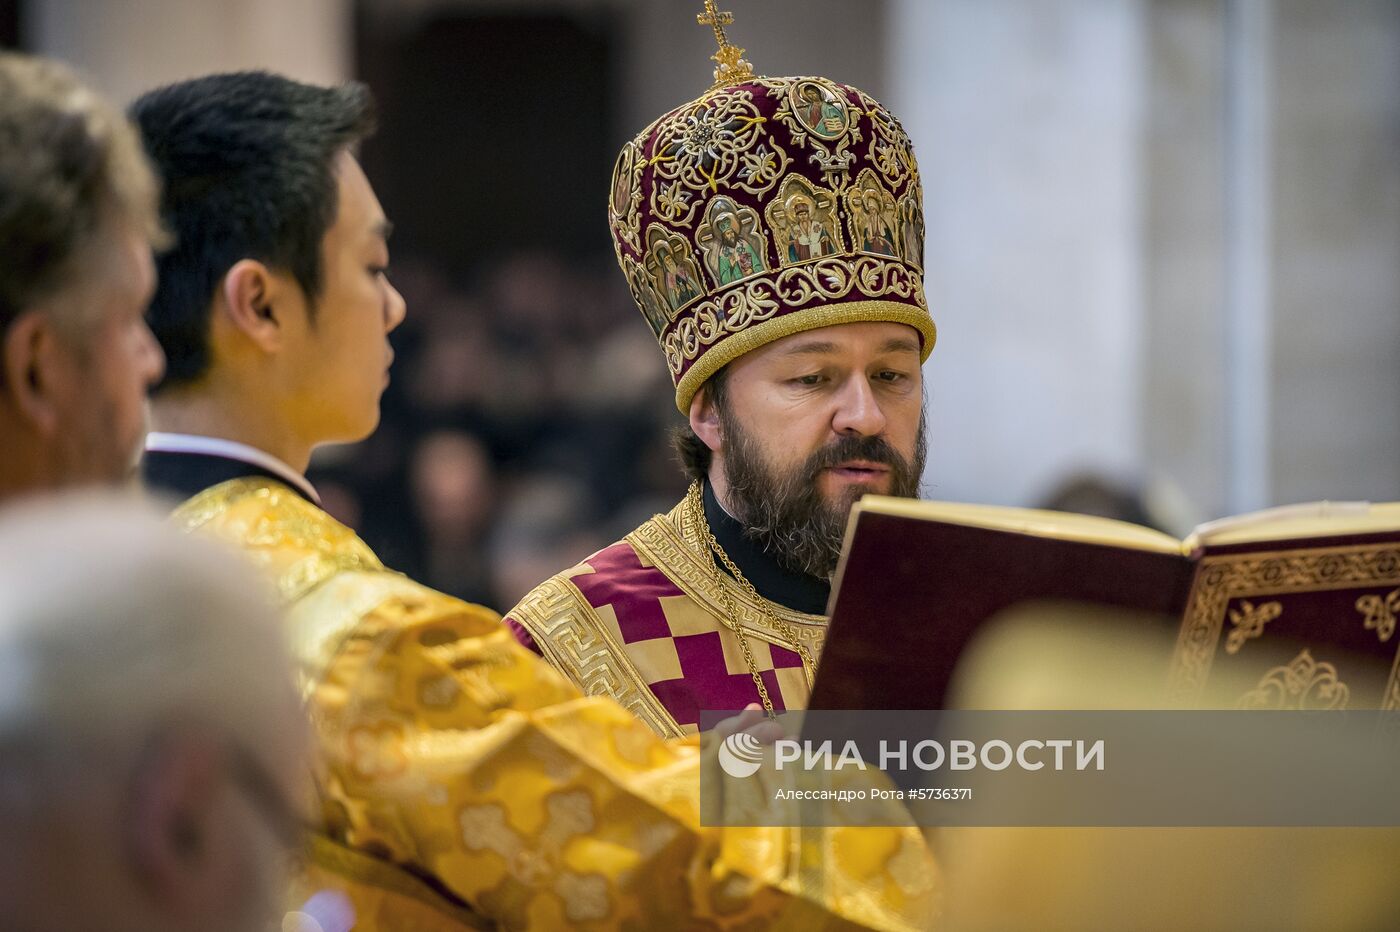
(1312, 519)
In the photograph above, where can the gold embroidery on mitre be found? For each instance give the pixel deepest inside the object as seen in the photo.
(744, 150)
(1249, 621)
(1303, 684)
(625, 198)
(624, 186)
(823, 120)
(891, 149)
(711, 143)
(711, 360)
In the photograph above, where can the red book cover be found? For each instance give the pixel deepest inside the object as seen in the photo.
(1290, 599)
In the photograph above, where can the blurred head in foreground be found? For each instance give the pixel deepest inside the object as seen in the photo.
(1096, 879)
(78, 218)
(151, 746)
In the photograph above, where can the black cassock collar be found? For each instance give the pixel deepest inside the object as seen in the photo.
(775, 582)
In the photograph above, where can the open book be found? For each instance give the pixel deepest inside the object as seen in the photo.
(1317, 583)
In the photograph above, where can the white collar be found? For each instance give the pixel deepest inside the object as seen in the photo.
(160, 442)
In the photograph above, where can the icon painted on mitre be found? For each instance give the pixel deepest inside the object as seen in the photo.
(622, 180)
(873, 216)
(820, 111)
(732, 242)
(672, 270)
(652, 304)
(803, 219)
(911, 222)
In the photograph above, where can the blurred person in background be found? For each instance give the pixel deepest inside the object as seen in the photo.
(801, 380)
(461, 779)
(541, 520)
(153, 754)
(1090, 493)
(78, 220)
(454, 496)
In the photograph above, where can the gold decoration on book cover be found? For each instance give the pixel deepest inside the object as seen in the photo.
(1380, 613)
(1304, 684)
(1275, 574)
(1249, 621)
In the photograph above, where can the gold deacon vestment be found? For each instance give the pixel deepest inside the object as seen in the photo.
(463, 783)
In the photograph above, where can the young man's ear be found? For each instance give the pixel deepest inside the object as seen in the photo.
(250, 303)
(28, 368)
(704, 419)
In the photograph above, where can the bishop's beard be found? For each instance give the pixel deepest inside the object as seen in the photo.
(786, 514)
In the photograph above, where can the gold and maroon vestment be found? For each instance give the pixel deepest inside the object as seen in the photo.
(644, 622)
(465, 784)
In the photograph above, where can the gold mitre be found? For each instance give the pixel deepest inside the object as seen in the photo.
(767, 207)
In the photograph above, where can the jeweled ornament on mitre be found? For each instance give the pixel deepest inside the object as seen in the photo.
(767, 207)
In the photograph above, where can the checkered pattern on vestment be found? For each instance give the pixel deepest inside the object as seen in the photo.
(684, 653)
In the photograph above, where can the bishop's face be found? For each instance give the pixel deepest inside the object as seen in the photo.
(811, 423)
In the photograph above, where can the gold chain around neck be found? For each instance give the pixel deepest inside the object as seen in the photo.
(695, 503)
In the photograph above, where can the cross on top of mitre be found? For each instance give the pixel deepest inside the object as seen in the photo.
(733, 69)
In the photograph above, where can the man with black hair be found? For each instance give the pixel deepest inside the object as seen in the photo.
(274, 306)
(462, 780)
(77, 222)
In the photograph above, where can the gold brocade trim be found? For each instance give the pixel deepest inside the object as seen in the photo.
(361, 869)
(808, 286)
(1275, 572)
(672, 544)
(327, 578)
(848, 312)
(577, 643)
(286, 522)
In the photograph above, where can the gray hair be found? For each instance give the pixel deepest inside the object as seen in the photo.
(67, 160)
(113, 626)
